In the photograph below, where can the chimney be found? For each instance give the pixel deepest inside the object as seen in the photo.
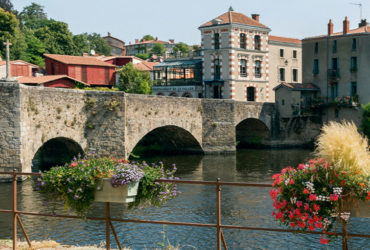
(172, 40)
(256, 17)
(123, 51)
(156, 38)
(136, 40)
(363, 23)
(345, 26)
(330, 28)
(108, 33)
(85, 54)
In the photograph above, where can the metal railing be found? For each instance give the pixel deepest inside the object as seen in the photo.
(108, 220)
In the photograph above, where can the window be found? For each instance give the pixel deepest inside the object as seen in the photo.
(283, 102)
(243, 67)
(257, 42)
(281, 53)
(353, 64)
(257, 69)
(294, 54)
(243, 43)
(334, 64)
(251, 94)
(217, 72)
(353, 88)
(354, 44)
(295, 75)
(217, 41)
(316, 48)
(282, 74)
(217, 92)
(334, 90)
(335, 46)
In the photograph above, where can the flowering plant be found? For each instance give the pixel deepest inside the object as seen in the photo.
(75, 183)
(315, 195)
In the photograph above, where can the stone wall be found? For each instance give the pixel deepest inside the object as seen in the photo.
(10, 131)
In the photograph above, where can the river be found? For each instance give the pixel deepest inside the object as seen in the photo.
(240, 206)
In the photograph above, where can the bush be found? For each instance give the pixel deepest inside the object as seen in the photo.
(365, 126)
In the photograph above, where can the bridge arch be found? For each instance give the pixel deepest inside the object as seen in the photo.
(55, 152)
(166, 139)
(251, 132)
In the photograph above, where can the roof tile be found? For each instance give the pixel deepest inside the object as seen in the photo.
(235, 17)
(78, 60)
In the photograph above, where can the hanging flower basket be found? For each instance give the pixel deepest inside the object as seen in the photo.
(84, 181)
(121, 194)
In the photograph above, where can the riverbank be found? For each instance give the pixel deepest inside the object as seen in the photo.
(48, 244)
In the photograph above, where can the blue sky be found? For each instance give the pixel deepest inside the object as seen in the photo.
(179, 20)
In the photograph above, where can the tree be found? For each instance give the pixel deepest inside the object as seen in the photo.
(143, 56)
(147, 38)
(81, 43)
(57, 38)
(33, 16)
(35, 49)
(132, 80)
(158, 49)
(10, 30)
(99, 44)
(7, 6)
(365, 126)
(182, 47)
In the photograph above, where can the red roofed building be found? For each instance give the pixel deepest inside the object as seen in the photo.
(145, 46)
(241, 61)
(19, 68)
(89, 70)
(53, 81)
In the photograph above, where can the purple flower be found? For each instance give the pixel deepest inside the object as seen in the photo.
(69, 190)
(68, 179)
(43, 183)
(75, 197)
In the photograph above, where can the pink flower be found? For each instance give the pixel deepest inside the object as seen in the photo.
(301, 166)
(312, 197)
(316, 207)
(279, 215)
(306, 206)
(323, 240)
(306, 191)
(73, 164)
(299, 203)
(298, 212)
(291, 182)
(291, 215)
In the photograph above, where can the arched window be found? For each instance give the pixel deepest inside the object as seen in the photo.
(257, 42)
(243, 67)
(160, 93)
(243, 43)
(217, 41)
(257, 70)
(251, 94)
(187, 94)
(173, 94)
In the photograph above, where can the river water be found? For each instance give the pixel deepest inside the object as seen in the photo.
(197, 203)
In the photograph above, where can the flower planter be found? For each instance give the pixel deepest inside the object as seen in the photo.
(121, 194)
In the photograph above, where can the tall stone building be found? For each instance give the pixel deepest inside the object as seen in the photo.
(242, 62)
(339, 63)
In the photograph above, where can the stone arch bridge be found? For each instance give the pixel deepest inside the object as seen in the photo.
(112, 123)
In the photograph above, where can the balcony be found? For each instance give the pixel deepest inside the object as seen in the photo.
(333, 74)
(177, 82)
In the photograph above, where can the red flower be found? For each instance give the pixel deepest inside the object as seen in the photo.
(292, 224)
(306, 206)
(279, 215)
(301, 166)
(368, 196)
(299, 203)
(291, 182)
(306, 191)
(323, 240)
(342, 183)
(318, 224)
(273, 193)
(298, 212)
(301, 224)
(312, 197)
(334, 197)
(291, 215)
(73, 164)
(316, 207)
(311, 227)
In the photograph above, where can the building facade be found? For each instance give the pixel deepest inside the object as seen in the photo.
(117, 46)
(339, 63)
(141, 47)
(242, 62)
(89, 70)
(19, 68)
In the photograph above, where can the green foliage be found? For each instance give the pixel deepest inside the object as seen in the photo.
(9, 26)
(112, 105)
(34, 49)
(86, 42)
(132, 80)
(147, 38)
(181, 47)
(7, 5)
(158, 49)
(365, 125)
(143, 56)
(33, 17)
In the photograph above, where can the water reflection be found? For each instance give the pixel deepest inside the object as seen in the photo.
(197, 203)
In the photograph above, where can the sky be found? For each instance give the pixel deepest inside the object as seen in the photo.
(179, 20)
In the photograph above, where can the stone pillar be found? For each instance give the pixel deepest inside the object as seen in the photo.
(10, 132)
(218, 126)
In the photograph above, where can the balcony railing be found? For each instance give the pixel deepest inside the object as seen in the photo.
(333, 73)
